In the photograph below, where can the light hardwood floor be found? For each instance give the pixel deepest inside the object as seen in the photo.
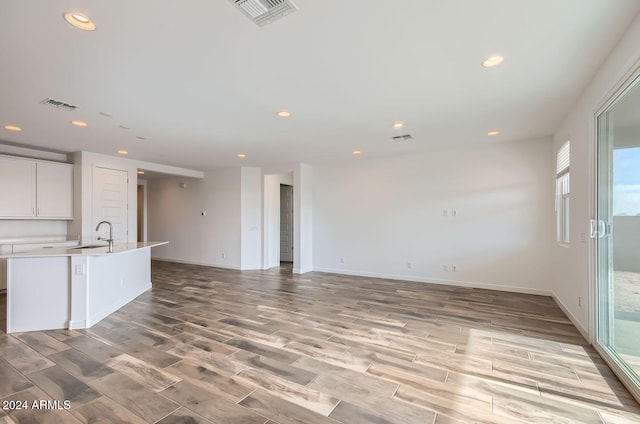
(207, 345)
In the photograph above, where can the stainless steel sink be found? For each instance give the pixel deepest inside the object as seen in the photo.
(91, 246)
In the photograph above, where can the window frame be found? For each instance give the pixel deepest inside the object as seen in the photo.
(563, 195)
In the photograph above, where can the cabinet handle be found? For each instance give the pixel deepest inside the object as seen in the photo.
(38, 211)
(33, 211)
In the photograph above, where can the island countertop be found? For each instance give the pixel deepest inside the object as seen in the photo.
(84, 250)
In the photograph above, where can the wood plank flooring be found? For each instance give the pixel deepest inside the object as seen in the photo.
(207, 345)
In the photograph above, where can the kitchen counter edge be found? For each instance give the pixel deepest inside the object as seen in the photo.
(118, 248)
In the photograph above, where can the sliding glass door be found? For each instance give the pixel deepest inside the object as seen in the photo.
(617, 231)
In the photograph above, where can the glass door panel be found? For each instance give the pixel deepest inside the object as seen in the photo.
(617, 231)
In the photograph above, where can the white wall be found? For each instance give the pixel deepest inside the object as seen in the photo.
(271, 214)
(251, 218)
(303, 242)
(175, 214)
(32, 228)
(373, 217)
(572, 275)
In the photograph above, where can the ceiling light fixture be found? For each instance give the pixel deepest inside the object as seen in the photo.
(79, 123)
(241, 155)
(398, 124)
(356, 152)
(284, 114)
(123, 152)
(493, 133)
(80, 21)
(140, 172)
(12, 128)
(492, 61)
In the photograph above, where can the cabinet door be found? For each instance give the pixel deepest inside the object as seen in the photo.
(17, 188)
(55, 190)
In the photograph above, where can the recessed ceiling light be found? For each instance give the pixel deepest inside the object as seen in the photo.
(123, 152)
(79, 20)
(398, 124)
(107, 114)
(124, 127)
(12, 128)
(493, 133)
(284, 114)
(79, 123)
(492, 61)
(139, 137)
(356, 152)
(140, 172)
(241, 155)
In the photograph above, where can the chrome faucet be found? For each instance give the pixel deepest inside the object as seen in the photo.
(110, 239)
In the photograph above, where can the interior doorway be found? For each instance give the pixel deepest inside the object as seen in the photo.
(140, 214)
(286, 223)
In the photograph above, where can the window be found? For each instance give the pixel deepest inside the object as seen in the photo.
(562, 193)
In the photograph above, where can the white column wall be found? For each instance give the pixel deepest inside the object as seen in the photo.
(302, 219)
(271, 221)
(251, 218)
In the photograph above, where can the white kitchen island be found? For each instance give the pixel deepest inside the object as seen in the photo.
(74, 288)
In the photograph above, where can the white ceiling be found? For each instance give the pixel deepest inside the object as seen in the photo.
(202, 82)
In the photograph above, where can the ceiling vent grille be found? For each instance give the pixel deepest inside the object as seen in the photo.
(263, 12)
(399, 138)
(59, 105)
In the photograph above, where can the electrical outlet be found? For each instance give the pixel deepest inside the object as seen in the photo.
(341, 260)
(445, 212)
(454, 212)
(408, 264)
(454, 268)
(445, 268)
(223, 255)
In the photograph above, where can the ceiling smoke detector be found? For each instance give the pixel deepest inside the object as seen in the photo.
(263, 12)
(399, 138)
(59, 105)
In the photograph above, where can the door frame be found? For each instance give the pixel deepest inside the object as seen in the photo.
(93, 221)
(622, 86)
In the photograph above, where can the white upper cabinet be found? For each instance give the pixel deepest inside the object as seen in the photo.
(31, 189)
(54, 184)
(17, 188)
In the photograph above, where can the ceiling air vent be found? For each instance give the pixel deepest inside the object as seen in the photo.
(400, 138)
(263, 12)
(59, 105)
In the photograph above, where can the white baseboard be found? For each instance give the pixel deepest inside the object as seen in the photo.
(572, 318)
(181, 261)
(75, 325)
(470, 284)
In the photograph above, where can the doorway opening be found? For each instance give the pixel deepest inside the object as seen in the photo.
(141, 211)
(286, 223)
(278, 227)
